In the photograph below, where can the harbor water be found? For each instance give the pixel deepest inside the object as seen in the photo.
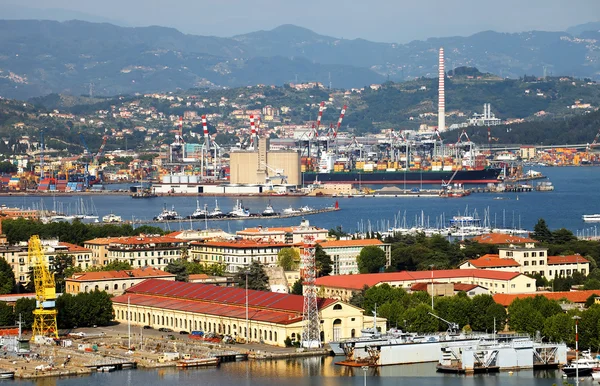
(301, 372)
(575, 194)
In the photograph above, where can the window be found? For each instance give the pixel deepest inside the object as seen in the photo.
(541, 262)
(533, 262)
(528, 285)
(525, 254)
(525, 263)
(533, 254)
(337, 307)
(541, 254)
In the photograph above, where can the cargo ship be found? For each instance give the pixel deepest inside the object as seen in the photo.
(416, 158)
(483, 176)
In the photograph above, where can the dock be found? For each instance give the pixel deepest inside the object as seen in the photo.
(251, 217)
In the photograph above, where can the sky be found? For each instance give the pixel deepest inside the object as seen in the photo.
(398, 21)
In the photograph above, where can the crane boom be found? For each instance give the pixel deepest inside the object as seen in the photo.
(452, 327)
(44, 316)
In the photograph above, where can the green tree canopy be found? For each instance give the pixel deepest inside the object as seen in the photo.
(257, 277)
(297, 287)
(322, 261)
(371, 259)
(7, 316)
(7, 277)
(288, 259)
(179, 269)
(541, 232)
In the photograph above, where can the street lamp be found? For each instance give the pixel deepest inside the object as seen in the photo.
(431, 266)
(247, 329)
(364, 369)
(576, 318)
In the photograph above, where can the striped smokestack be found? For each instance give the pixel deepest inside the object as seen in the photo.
(441, 96)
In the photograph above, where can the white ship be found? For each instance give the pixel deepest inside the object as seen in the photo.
(591, 217)
(199, 213)
(111, 218)
(167, 215)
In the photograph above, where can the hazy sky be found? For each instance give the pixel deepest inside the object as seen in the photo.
(379, 20)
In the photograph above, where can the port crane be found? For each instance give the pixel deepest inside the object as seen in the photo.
(44, 316)
(452, 327)
(279, 173)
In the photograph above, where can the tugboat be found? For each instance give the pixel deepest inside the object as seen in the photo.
(167, 215)
(269, 211)
(199, 213)
(215, 213)
(239, 210)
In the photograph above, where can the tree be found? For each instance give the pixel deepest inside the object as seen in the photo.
(560, 328)
(288, 259)
(371, 259)
(337, 232)
(322, 261)
(419, 320)
(62, 263)
(297, 287)
(179, 269)
(25, 307)
(562, 236)
(523, 317)
(114, 265)
(541, 232)
(257, 277)
(7, 316)
(7, 277)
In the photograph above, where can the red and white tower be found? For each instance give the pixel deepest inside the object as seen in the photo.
(253, 143)
(311, 331)
(441, 94)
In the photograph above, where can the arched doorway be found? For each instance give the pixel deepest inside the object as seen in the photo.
(337, 330)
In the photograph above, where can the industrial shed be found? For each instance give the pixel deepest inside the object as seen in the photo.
(203, 307)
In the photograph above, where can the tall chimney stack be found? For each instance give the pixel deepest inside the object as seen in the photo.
(441, 96)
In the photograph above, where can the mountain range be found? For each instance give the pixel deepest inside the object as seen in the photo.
(39, 57)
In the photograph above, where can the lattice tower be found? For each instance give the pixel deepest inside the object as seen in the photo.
(44, 316)
(311, 332)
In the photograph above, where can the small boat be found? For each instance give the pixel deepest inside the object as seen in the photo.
(167, 214)
(111, 218)
(591, 217)
(584, 366)
(7, 374)
(500, 198)
(269, 211)
(198, 362)
(106, 369)
(306, 208)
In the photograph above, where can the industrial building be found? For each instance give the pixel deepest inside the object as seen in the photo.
(113, 282)
(264, 165)
(271, 317)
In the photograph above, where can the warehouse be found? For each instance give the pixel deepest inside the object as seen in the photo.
(272, 317)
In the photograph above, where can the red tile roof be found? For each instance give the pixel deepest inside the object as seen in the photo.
(571, 259)
(372, 279)
(491, 260)
(349, 243)
(500, 238)
(222, 295)
(573, 296)
(126, 274)
(465, 287)
(243, 243)
(73, 248)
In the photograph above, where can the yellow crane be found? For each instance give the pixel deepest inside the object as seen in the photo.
(44, 316)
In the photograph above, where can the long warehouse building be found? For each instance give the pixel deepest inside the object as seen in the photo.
(272, 317)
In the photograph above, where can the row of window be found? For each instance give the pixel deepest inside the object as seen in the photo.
(561, 272)
(182, 323)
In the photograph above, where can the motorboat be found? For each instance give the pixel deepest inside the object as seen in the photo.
(168, 214)
(591, 217)
(239, 210)
(7, 374)
(269, 211)
(111, 218)
(306, 208)
(198, 362)
(106, 369)
(584, 366)
(199, 213)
